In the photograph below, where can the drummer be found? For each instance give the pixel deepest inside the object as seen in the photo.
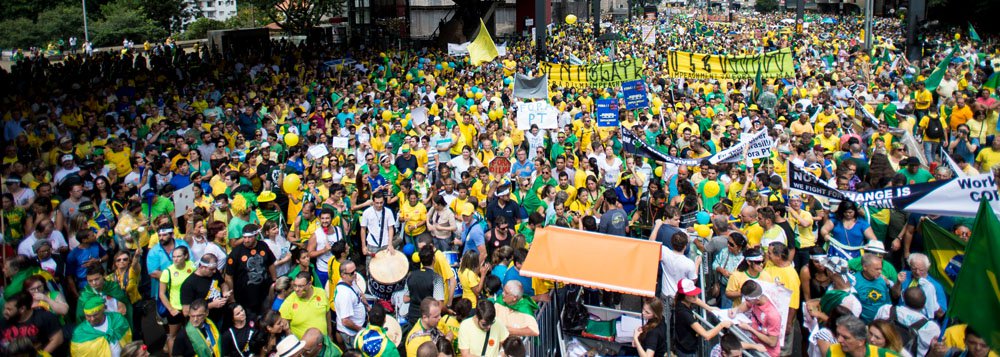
(423, 283)
(441, 266)
(377, 227)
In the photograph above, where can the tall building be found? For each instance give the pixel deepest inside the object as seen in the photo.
(220, 10)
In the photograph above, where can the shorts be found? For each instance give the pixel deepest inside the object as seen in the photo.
(175, 320)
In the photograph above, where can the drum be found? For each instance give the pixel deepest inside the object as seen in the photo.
(388, 273)
(458, 284)
(453, 257)
(392, 329)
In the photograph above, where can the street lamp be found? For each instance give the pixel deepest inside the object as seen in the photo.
(86, 34)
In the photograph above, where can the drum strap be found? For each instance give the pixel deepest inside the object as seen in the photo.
(381, 227)
(486, 342)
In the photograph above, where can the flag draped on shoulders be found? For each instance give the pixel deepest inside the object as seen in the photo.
(90, 342)
(976, 296)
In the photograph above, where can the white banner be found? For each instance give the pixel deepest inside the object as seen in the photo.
(183, 200)
(502, 49)
(458, 49)
(758, 146)
(539, 113)
(648, 35)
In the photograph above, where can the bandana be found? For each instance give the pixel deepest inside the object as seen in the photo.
(165, 231)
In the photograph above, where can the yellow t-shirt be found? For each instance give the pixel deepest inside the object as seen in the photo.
(737, 279)
(923, 126)
(443, 268)
(174, 278)
(754, 233)
(988, 159)
(469, 278)
(415, 216)
(305, 314)
(790, 279)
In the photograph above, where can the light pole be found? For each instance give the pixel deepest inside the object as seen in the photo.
(869, 7)
(86, 34)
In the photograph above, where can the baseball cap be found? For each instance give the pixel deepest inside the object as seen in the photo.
(405, 148)
(687, 287)
(467, 209)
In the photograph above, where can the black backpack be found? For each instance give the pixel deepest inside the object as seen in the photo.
(574, 317)
(910, 335)
(934, 129)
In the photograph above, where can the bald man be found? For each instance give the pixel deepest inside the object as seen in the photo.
(427, 349)
(318, 345)
(751, 228)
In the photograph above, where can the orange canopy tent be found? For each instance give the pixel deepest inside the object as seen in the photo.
(594, 260)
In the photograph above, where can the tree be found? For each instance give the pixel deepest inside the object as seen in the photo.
(19, 33)
(298, 16)
(247, 16)
(766, 6)
(170, 14)
(200, 27)
(121, 20)
(62, 22)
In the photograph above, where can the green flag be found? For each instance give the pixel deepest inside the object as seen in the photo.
(973, 35)
(935, 78)
(976, 297)
(992, 82)
(946, 252)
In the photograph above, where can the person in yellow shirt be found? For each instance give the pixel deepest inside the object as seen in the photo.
(825, 117)
(934, 130)
(989, 158)
(120, 155)
(482, 185)
(471, 274)
(828, 140)
(752, 267)
(751, 228)
(960, 114)
(307, 307)
(922, 100)
(414, 215)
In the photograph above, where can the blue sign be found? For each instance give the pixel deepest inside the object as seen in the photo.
(635, 94)
(607, 112)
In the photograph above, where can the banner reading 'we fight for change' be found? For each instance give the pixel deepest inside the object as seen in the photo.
(601, 75)
(776, 64)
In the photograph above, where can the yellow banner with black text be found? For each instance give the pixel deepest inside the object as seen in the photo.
(600, 75)
(776, 64)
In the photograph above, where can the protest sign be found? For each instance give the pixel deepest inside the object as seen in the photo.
(648, 35)
(757, 146)
(956, 197)
(539, 113)
(339, 143)
(458, 49)
(319, 150)
(776, 64)
(607, 112)
(183, 200)
(604, 74)
(635, 94)
(500, 166)
(418, 116)
(632, 144)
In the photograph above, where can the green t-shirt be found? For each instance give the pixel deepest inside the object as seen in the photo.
(236, 225)
(920, 177)
(161, 206)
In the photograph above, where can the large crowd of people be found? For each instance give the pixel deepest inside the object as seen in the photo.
(271, 202)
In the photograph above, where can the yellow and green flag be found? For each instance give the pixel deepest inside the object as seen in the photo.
(973, 35)
(90, 342)
(482, 49)
(935, 78)
(946, 252)
(976, 296)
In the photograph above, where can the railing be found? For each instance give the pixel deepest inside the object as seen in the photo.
(549, 339)
(446, 19)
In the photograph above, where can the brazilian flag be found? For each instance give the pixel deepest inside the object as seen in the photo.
(976, 296)
(946, 252)
(88, 341)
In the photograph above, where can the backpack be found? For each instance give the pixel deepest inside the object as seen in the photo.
(908, 334)
(575, 317)
(934, 129)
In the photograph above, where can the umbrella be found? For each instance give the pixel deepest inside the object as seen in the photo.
(829, 20)
(788, 21)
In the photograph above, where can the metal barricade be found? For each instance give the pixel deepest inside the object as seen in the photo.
(736, 331)
(549, 339)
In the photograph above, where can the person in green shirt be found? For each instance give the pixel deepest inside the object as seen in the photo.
(914, 173)
(877, 248)
(888, 112)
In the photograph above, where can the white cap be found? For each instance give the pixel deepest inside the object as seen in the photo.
(289, 346)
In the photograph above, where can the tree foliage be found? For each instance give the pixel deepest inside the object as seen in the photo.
(766, 6)
(248, 16)
(200, 27)
(121, 20)
(18, 33)
(297, 16)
